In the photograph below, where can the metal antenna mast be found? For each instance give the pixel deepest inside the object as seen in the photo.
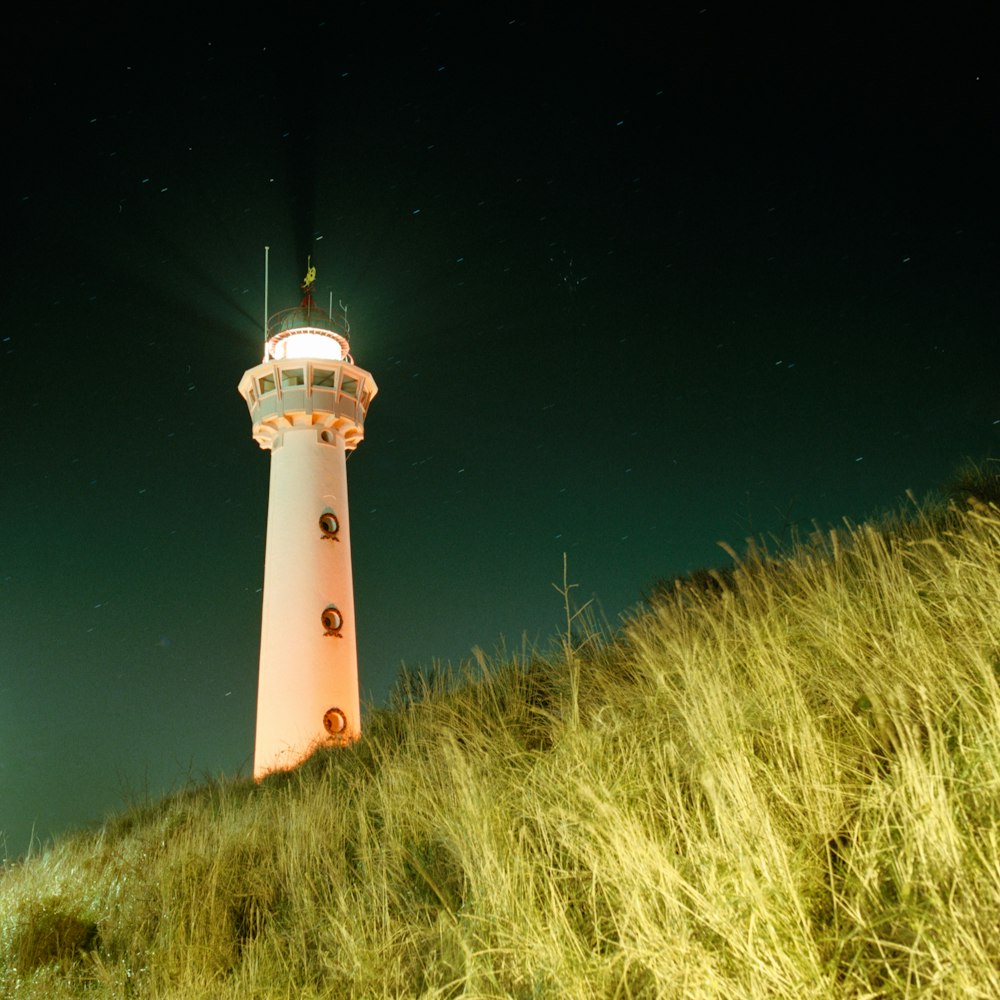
(267, 251)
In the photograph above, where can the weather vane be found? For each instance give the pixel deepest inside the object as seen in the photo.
(310, 279)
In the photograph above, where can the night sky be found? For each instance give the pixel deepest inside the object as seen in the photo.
(626, 291)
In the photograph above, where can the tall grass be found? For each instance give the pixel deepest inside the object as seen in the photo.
(784, 785)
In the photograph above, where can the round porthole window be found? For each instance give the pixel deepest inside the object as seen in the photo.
(328, 437)
(329, 525)
(335, 722)
(333, 620)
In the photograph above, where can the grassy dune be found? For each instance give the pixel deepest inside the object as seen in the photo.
(780, 781)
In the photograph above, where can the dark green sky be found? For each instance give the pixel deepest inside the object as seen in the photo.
(626, 291)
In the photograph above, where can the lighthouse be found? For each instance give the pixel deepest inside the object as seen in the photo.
(307, 400)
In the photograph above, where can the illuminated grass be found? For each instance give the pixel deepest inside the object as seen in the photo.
(782, 785)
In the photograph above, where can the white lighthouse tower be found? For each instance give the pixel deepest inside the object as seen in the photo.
(307, 400)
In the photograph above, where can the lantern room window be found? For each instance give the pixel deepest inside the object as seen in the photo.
(324, 378)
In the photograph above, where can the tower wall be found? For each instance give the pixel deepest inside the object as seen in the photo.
(306, 667)
(308, 412)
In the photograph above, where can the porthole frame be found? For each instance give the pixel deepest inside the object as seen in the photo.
(336, 734)
(329, 525)
(333, 620)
